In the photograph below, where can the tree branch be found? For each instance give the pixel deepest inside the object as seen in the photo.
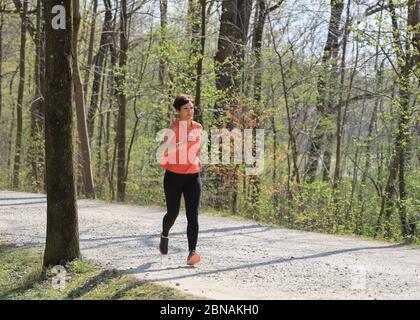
(274, 7)
(380, 6)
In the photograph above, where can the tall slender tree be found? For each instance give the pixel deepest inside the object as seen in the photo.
(90, 49)
(62, 242)
(202, 40)
(408, 63)
(85, 157)
(19, 113)
(261, 12)
(105, 41)
(163, 31)
(120, 80)
(1, 55)
(233, 35)
(324, 104)
(36, 151)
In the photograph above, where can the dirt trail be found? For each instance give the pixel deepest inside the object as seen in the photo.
(240, 259)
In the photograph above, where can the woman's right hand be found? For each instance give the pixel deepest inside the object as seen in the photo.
(183, 142)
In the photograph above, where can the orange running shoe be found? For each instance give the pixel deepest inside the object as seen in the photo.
(193, 258)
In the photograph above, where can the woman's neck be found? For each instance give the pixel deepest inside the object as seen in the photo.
(189, 122)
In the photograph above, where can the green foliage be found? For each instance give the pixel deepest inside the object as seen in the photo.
(351, 208)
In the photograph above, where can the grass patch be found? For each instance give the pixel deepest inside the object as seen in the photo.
(21, 279)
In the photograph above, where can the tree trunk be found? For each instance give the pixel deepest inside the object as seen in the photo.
(226, 71)
(193, 28)
(36, 152)
(104, 43)
(133, 136)
(292, 138)
(1, 61)
(107, 167)
(86, 166)
(407, 63)
(199, 112)
(19, 127)
(9, 139)
(414, 23)
(226, 74)
(324, 100)
(339, 121)
(121, 97)
(111, 85)
(259, 21)
(101, 130)
(163, 27)
(233, 34)
(62, 242)
(275, 147)
(90, 50)
(372, 123)
(242, 29)
(260, 15)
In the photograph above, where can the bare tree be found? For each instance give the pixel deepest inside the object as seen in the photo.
(80, 110)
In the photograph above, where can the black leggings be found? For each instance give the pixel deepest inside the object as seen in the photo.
(175, 185)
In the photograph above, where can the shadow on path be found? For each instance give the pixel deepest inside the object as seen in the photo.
(149, 239)
(259, 264)
(22, 203)
(22, 198)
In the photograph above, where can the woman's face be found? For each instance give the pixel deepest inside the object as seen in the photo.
(186, 112)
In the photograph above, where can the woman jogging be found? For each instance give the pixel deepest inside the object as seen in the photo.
(182, 175)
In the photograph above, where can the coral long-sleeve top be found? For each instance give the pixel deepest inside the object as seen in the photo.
(185, 159)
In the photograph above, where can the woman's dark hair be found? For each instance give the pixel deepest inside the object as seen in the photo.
(182, 99)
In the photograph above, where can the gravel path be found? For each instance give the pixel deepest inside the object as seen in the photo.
(240, 259)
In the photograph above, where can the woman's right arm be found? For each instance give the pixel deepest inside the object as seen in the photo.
(178, 145)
